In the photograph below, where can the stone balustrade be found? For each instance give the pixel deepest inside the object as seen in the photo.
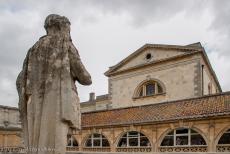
(183, 149)
(133, 149)
(97, 149)
(223, 148)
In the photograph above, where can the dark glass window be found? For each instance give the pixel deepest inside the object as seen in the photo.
(181, 137)
(133, 139)
(168, 141)
(150, 89)
(71, 141)
(225, 138)
(197, 140)
(89, 143)
(97, 140)
(181, 140)
(133, 142)
(182, 131)
(123, 142)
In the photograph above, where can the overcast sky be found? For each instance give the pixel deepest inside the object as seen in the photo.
(106, 31)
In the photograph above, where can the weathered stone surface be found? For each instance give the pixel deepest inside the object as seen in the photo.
(48, 100)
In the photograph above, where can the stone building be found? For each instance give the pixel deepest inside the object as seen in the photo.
(161, 98)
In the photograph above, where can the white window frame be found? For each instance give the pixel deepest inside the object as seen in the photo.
(127, 137)
(101, 137)
(189, 134)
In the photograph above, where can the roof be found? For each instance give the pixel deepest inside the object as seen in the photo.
(8, 107)
(194, 108)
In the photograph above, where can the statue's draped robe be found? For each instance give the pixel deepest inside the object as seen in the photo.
(48, 99)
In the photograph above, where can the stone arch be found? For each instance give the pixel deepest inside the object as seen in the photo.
(117, 139)
(137, 89)
(88, 135)
(193, 128)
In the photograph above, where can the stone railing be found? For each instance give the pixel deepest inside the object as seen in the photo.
(183, 148)
(12, 149)
(97, 149)
(223, 148)
(133, 149)
(69, 148)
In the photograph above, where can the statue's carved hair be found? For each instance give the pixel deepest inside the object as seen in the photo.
(55, 20)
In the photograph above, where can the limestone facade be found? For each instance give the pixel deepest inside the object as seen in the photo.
(185, 78)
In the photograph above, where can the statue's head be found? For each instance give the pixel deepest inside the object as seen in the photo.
(55, 24)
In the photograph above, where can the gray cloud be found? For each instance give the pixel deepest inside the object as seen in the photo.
(107, 31)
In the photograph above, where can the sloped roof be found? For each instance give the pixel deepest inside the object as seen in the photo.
(196, 108)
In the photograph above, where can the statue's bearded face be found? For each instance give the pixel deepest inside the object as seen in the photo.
(57, 24)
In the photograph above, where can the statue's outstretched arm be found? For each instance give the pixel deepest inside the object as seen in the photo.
(77, 69)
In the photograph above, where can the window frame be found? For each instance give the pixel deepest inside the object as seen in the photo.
(189, 135)
(142, 88)
(127, 137)
(100, 138)
(226, 132)
(72, 139)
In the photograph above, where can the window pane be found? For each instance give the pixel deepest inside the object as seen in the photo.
(182, 140)
(197, 140)
(96, 135)
(96, 142)
(123, 142)
(75, 143)
(88, 143)
(133, 141)
(150, 89)
(105, 143)
(182, 131)
(225, 139)
(160, 90)
(168, 141)
(144, 141)
(133, 134)
(193, 132)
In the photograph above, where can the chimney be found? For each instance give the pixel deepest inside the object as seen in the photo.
(91, 96)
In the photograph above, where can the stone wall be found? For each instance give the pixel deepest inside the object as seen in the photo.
(179, 78)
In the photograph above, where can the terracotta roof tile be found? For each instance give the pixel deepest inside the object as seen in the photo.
(202, 107)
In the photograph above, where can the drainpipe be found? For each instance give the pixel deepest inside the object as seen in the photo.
(202, 80)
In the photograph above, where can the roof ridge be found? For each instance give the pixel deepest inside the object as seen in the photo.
(165, 102)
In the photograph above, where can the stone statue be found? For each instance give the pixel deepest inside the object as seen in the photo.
(48, 99)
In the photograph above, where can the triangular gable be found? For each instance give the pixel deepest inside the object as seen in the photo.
(155, 52)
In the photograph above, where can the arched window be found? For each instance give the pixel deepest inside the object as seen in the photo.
(149, 88)
(183, 137)
(134, 139)
(225, 138)
(71, 141)
(97, 140)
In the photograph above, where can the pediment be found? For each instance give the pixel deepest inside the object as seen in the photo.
(150, 53)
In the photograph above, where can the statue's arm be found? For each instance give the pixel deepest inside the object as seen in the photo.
(77, 69)
(21, 83)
